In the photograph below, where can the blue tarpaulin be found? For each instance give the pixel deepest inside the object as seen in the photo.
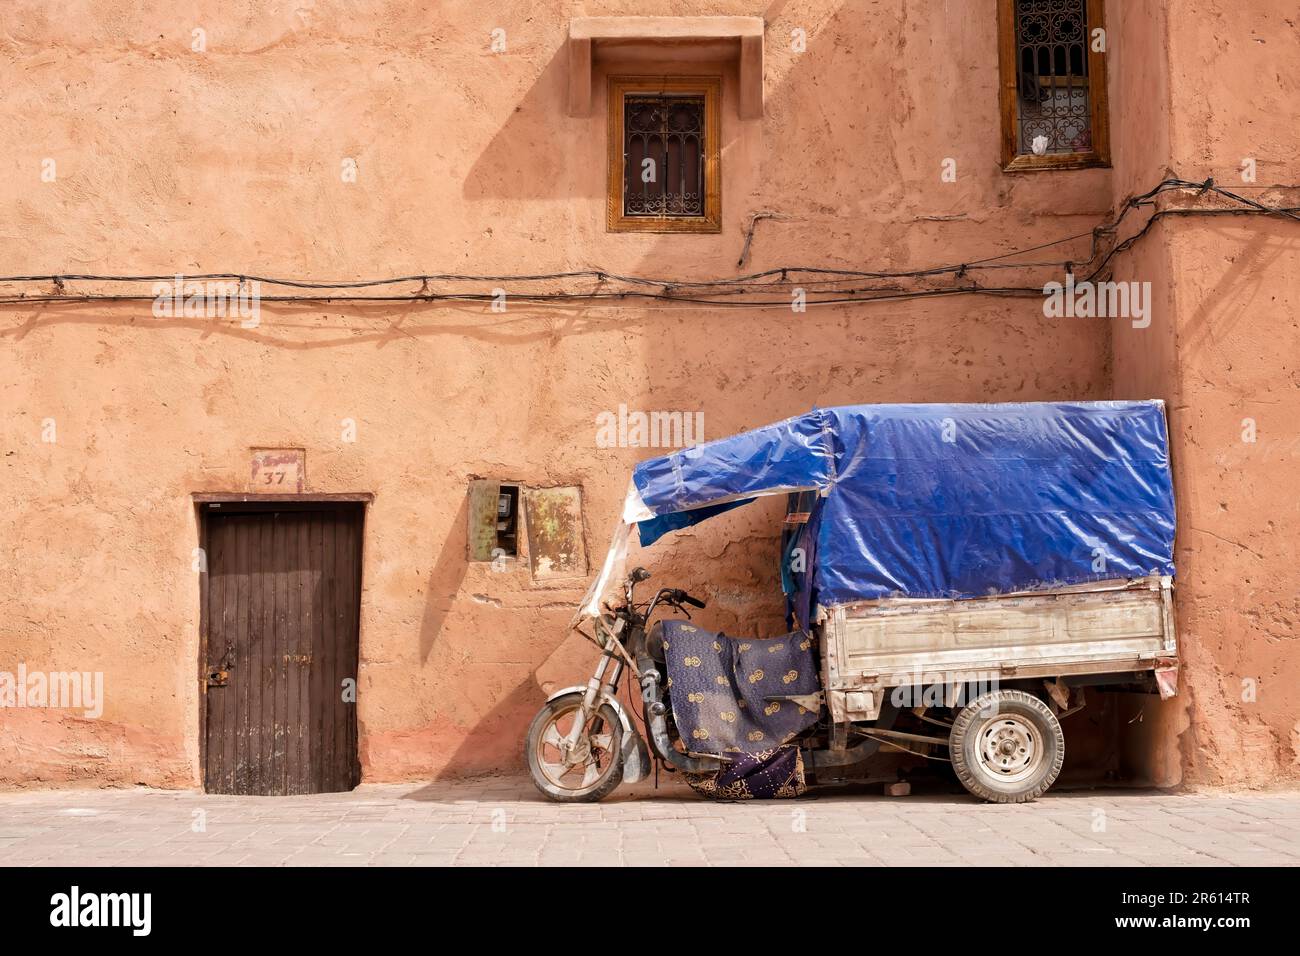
(945, 501)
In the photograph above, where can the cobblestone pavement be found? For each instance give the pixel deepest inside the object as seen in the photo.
(503, 821)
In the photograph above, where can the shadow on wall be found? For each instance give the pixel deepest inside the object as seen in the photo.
(528, 156)
(496, 742)
(540, 152)
(744, 599)
(473, 320)
(445, 581)
(1092, 741)
(1252, 261)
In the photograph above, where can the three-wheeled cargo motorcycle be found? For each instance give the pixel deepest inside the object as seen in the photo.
(955, 576)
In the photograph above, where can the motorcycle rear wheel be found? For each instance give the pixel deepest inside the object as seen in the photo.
(583, 781)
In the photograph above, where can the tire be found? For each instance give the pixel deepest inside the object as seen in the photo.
(545, 761)
(1007, 747)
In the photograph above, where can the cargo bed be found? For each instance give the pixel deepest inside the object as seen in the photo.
(1120, 627)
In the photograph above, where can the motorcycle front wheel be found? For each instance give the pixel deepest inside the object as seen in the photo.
(594, 771)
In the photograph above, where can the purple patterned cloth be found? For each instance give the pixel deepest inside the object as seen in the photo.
(731, 697)
(763, 776)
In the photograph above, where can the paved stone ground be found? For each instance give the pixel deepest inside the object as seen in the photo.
(503, 821)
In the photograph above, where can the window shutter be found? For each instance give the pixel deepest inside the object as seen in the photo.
(483, 497)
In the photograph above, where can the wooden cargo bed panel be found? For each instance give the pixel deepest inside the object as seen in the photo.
(1116, 624)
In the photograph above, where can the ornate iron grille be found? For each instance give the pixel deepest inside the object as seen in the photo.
(1052, 75)
(663, 156)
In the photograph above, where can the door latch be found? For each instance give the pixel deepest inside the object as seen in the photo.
(218, 678)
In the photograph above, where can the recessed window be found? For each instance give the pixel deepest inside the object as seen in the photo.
(515, 526)
(663, 159)
(508, 520)
(1053, 84)
(493, 521)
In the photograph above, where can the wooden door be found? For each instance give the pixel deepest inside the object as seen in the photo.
(281, 621)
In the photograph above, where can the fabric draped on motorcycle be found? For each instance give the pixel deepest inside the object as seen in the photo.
(732, 697)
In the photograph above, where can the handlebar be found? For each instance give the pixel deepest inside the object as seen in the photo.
(674, 596)
(678, 596)
(684, 598)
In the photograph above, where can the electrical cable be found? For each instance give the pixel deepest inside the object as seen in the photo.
(821, 285)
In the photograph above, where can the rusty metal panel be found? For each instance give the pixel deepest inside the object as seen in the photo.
(556, 548)
(282, 620)
(483, 497)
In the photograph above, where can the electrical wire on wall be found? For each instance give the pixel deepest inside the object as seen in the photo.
(817, 285)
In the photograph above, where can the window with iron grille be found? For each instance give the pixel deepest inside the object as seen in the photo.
(1053, 84)
(663, 149)
(663, 155)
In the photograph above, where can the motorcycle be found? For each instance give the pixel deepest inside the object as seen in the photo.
(582, 744)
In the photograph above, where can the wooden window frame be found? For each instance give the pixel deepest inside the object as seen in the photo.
(1013, 161)
(710, 87)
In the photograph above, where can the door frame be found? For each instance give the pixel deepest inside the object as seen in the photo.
(261, 502)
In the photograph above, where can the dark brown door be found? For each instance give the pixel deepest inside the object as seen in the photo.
(281, 624)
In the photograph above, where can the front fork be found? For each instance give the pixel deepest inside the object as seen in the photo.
(597, 688)
(656, 709)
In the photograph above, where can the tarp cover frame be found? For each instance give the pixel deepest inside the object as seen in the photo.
(942, 501)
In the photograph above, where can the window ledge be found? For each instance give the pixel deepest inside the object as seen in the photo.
(733, 38)
(1025, 162)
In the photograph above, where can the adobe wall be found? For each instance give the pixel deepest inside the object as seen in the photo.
(170, 160)
(1222, 350)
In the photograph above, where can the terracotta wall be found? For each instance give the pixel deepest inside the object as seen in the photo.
(1223, 350)
(170, 160)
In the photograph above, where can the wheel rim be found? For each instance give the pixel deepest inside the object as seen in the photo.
(589, 764)
(1010, 748)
